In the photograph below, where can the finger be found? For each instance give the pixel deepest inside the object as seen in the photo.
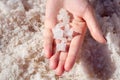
(74, 49)
(54, 61)
(50, 22)
(55, 58)
(93, 25)
(60, 69)
(52, 9)
(48, 43)
(48, 37)
(78, 25)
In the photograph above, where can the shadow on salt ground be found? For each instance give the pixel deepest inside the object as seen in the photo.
(96, 60)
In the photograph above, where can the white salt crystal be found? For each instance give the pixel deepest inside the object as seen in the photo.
(59, 25)
(65, 34)
(67, 27)
(66, 19)
(70, 32)
(63, 12)
(58, 33)
(61, 47)
(37, 76)
(70, 38)
(4, 9)
(63, 16)
(64, 40)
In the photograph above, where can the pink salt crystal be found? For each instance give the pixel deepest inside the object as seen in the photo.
(66, 20)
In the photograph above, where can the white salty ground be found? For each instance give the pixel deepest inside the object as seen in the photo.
(21, 51)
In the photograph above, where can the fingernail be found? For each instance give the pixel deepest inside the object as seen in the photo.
(105, 39)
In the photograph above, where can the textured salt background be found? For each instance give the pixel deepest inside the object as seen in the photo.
(21, 55)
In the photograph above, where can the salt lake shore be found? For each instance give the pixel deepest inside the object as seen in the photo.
(21, 43)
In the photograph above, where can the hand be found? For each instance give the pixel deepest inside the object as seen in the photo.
(83, 16)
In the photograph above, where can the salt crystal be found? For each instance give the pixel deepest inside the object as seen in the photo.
(64, 34)
(59, 17)
(61, 46)
(59, 25)
(64, 40)
(70, 32)
(58, 33)
(67, 27)
(63, 16)
(63, 11)
(66, 19)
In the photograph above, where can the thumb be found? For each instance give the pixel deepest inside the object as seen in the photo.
(93, 25)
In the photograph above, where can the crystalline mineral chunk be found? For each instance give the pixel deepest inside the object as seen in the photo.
(61, 47)
(59, 25)
(58, 33)
(62, 30)
(67, 27)
(64, 40)
(70, 33)
(66, 20)
(63, 16)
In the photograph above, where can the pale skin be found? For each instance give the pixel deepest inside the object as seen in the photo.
(83, 18)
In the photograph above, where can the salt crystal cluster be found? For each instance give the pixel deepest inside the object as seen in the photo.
(62, 31)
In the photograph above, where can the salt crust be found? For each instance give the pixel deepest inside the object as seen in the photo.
(21, 51)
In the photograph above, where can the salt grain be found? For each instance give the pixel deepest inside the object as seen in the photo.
(64, 40)
(62, 30)
(61, 47)
(59, 25)
(70, 34)
(63, 16)
(58, 33)
(67, 27)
